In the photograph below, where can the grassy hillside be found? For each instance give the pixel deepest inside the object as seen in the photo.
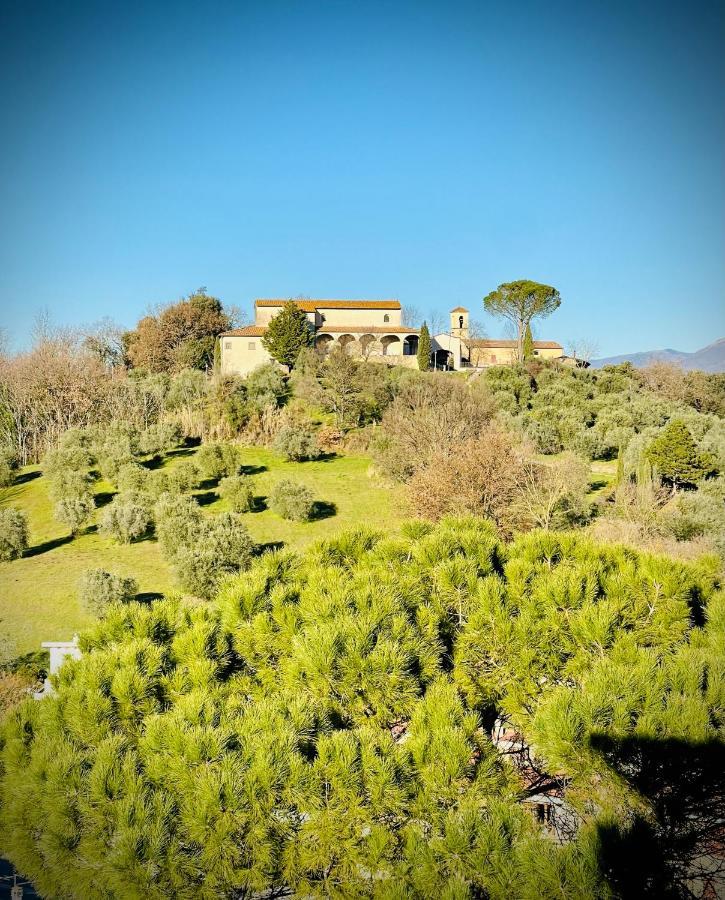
(38, 592)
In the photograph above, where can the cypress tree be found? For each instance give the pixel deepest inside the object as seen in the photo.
(287, 333)
(528, 343)
(424, 348)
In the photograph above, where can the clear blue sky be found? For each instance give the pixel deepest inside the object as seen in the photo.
(425, 151)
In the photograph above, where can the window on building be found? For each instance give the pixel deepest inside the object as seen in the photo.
(386, 318)
(252, 345)
(227, 345)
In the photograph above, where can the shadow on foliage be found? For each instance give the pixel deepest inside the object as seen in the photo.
(321, 509)
(676, 847)
(208, 483)
(148, 597)
(46, 546)
(206, 498)
(260, 504)
(26, 477)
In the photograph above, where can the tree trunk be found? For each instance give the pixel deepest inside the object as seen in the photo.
(520, 341)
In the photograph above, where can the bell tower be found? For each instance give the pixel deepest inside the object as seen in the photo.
(459, 323)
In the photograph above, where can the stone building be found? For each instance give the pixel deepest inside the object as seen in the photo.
(373, 329)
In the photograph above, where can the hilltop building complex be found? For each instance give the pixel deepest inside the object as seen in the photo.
(372, 329)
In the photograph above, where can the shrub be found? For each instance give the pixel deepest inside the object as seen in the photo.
(296, 443)
(184, 476)
(8, 466)
(480, 476)
(13, 533)
(217, 460)
(75, 512)
(292, 500)
(74, 458)
(218, 546)
(177, 522)
(99, 589)
(544, 436)
(132, 478)
(266, 386)
(238, 491)
(111, 460)
(159, 438)
(431, 414)
(68, 484)
(126, 520)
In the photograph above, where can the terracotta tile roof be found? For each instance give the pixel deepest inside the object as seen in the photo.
(459, 309)
(366, 329)
(312, 305)
(506, 345)
(248, 331)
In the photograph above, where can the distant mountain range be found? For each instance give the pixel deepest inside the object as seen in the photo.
(709, 359)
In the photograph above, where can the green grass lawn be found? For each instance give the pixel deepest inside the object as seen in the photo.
(38, 599)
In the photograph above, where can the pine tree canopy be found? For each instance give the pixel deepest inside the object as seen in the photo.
(324, 725)
(287, 333)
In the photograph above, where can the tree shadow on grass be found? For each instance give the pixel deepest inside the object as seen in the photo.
(47, 546)
(598, 485)
(269, 547)
(155, 462)
(181, 451)
(148, 597)
(104, 498)
(259, 505)
(253, 470)
(674, 849)
(321, 509)
(206, 498)
(26, 477)
(325, 457)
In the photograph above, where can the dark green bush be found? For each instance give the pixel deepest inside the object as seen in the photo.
(292, 500)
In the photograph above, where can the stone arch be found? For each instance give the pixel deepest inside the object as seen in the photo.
(323, 341)
(443, 359)
(345, 341)
(410, 345)
(391, 345)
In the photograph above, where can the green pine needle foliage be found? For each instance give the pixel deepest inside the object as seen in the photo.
(323, 725)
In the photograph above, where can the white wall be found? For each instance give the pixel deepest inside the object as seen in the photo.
(241, 354)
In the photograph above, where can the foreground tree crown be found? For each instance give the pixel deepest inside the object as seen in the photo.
(324, 725)
(519, 302)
